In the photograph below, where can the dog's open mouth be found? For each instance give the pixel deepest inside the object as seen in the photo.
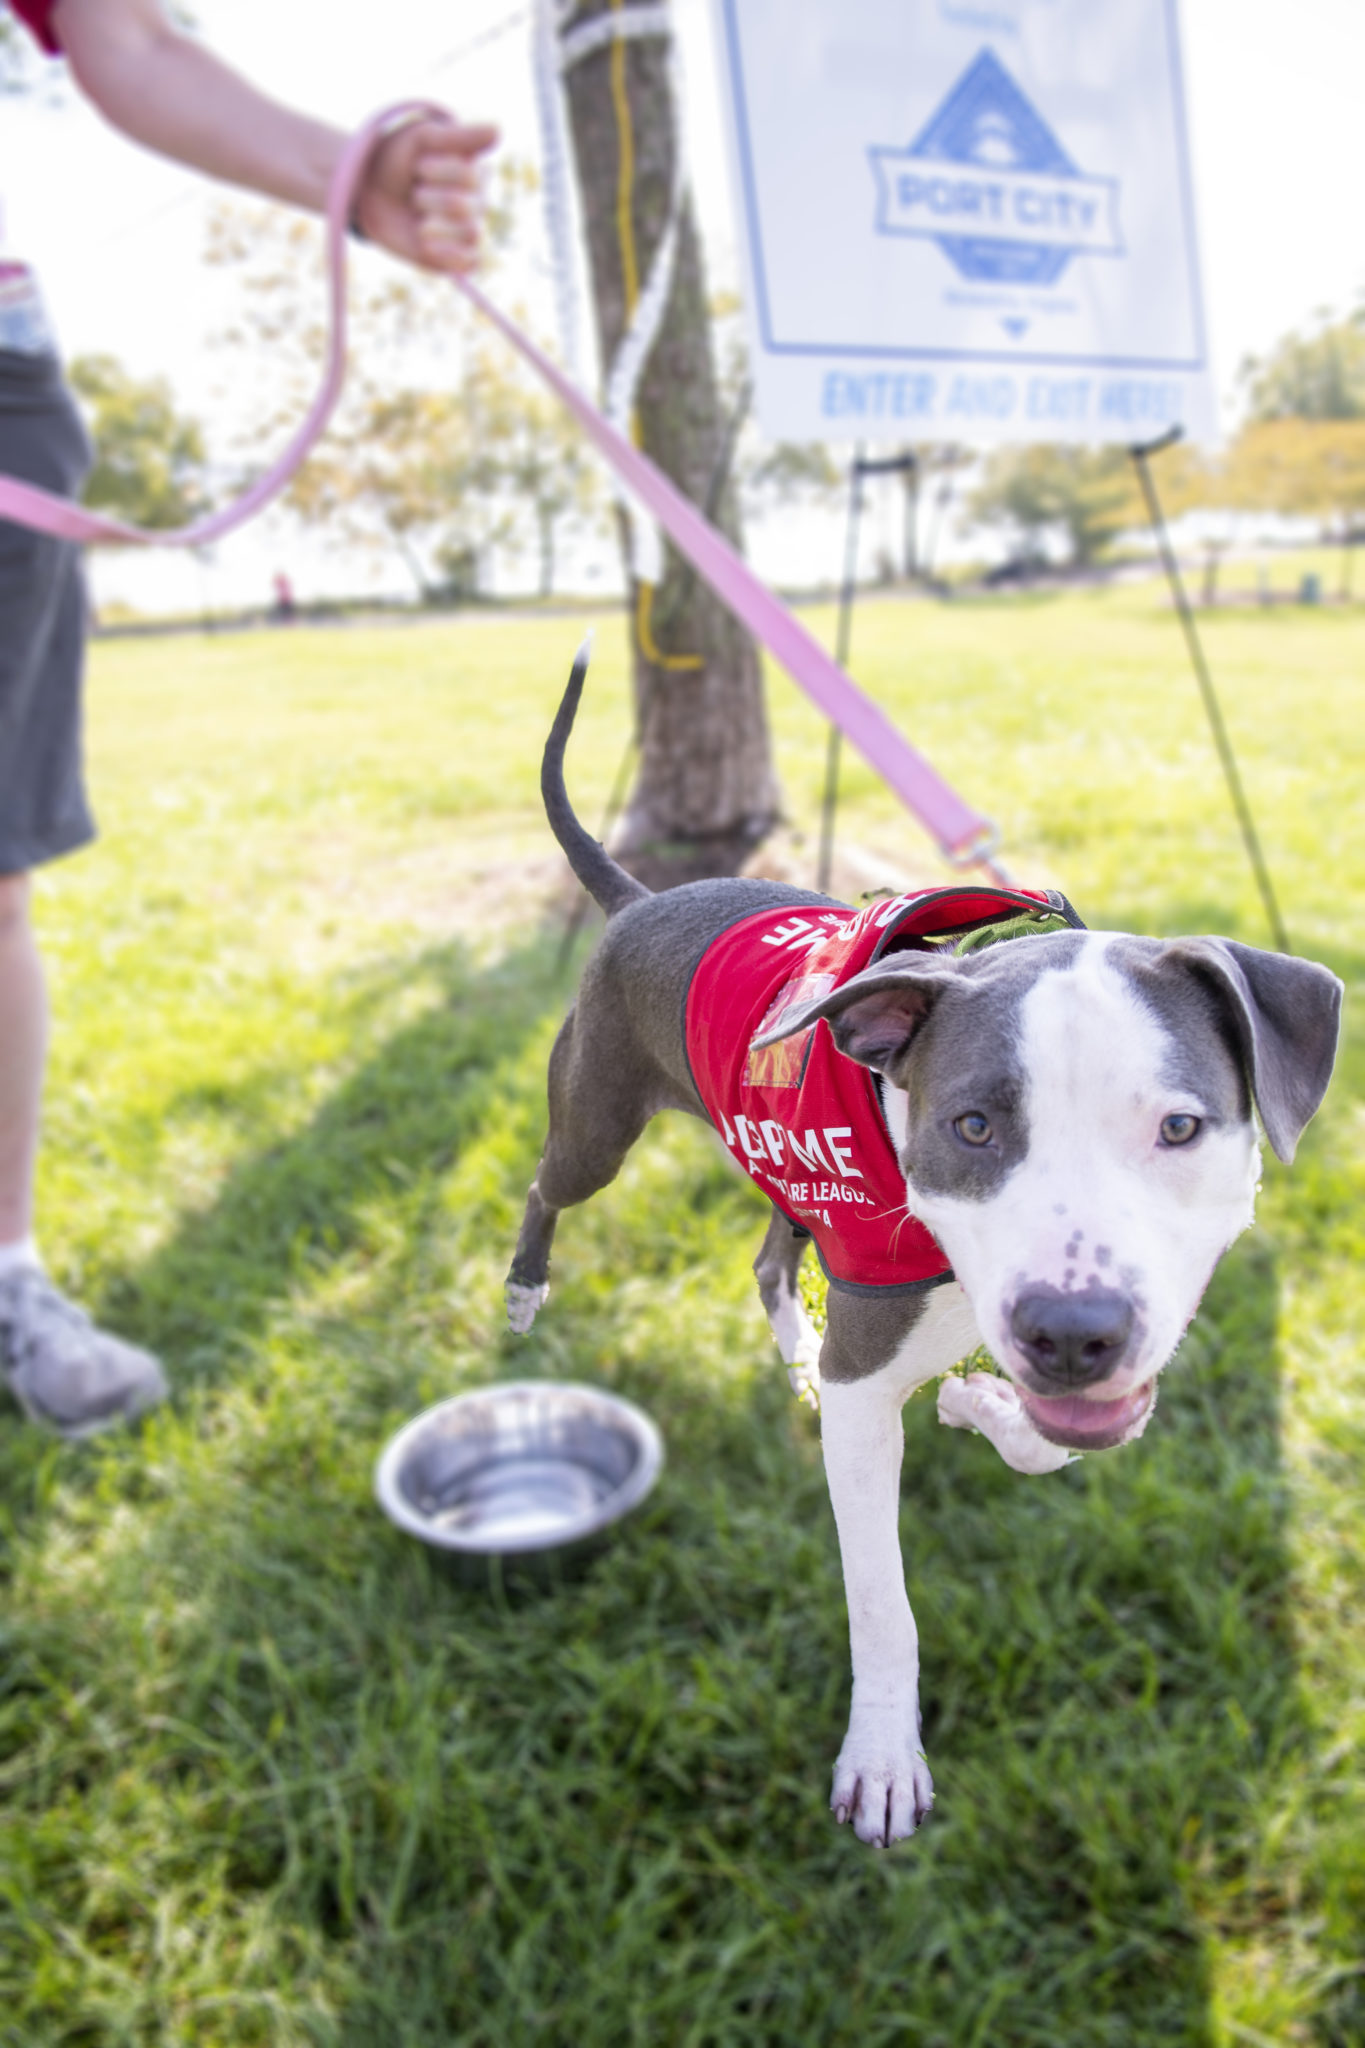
(1082, 1424)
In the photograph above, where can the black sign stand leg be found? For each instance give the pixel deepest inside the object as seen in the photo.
(1141, 455)
(861, 466)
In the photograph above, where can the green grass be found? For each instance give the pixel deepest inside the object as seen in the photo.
(268, 1776)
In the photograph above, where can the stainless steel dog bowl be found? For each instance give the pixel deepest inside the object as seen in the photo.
(507, 1471)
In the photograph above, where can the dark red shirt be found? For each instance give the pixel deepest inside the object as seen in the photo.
(37, 16)
(799, 1116)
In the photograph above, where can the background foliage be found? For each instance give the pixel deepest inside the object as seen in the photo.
(442, 447)
(150, 463)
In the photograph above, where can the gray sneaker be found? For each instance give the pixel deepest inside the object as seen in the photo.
(64, 1372)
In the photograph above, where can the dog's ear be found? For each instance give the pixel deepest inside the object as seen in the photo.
(1286, 1016)
(874, 1016)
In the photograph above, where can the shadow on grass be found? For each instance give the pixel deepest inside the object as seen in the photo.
(353, 1802)
(388, 1136)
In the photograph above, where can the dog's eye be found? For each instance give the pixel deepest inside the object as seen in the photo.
(973, 1128)
(1179, 1128)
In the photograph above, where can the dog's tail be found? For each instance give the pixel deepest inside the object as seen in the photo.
(607, 883)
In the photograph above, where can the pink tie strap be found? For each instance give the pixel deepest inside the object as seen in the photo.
(962, 833)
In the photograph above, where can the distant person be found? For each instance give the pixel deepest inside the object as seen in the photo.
(284, 609)
(420, 199)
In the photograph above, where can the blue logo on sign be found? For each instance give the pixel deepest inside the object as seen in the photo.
(988, 180)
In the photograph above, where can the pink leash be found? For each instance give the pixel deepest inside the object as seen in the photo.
(29, 506)
(965, 837)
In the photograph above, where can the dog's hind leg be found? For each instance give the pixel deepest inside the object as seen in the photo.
(527, 1285)
(592, 1127)
(776, 1269)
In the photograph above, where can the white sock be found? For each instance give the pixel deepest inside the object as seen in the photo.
(16, 1256)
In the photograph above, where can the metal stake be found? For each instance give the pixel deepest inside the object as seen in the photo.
(1140, 454)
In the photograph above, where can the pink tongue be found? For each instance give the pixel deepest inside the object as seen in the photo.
(1086, 1418)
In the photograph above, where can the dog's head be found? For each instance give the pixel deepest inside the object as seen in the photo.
(1074, 1119)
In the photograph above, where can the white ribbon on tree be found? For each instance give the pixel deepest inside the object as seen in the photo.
(617, 25)
(555, 186)
(622, 381)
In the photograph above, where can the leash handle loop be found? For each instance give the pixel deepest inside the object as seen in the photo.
(29, 506)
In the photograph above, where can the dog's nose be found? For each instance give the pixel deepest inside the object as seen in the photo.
(1072, 1340)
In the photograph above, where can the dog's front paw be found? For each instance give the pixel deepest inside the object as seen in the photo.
(524, 1303)
(986, 1402)
(881, 1781)
(963, 1401)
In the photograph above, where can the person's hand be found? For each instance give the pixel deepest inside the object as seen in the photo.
(422, 193)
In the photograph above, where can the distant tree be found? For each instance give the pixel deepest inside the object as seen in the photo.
(150, 463)
(1188, 480)
(931, 489)
(1312, 467)
(788, 472)
(764, 473)
(547, 468)
(449, 475)
(912, 486)
(1292, 466)
(1309, 466)
(1314, 376)
(1085, 496)
(441, 448)
(418, 471)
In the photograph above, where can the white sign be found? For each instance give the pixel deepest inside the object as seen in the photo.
(966, 220)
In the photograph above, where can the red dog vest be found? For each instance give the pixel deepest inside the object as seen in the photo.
(799, 1116)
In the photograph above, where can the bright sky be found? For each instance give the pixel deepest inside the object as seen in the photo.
(1274, 92)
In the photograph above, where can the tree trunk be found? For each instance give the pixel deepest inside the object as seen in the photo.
(910, 529)
(705, 794)
(408, 556)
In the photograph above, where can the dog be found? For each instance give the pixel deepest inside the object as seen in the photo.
(1069, 1121)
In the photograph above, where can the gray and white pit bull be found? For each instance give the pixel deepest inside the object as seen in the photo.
(1074, 1119)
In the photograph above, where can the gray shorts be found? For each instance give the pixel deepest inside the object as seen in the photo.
(43, 808)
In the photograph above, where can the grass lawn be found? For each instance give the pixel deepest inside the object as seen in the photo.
(267, 1776)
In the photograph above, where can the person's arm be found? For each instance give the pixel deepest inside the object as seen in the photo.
(420, 197)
